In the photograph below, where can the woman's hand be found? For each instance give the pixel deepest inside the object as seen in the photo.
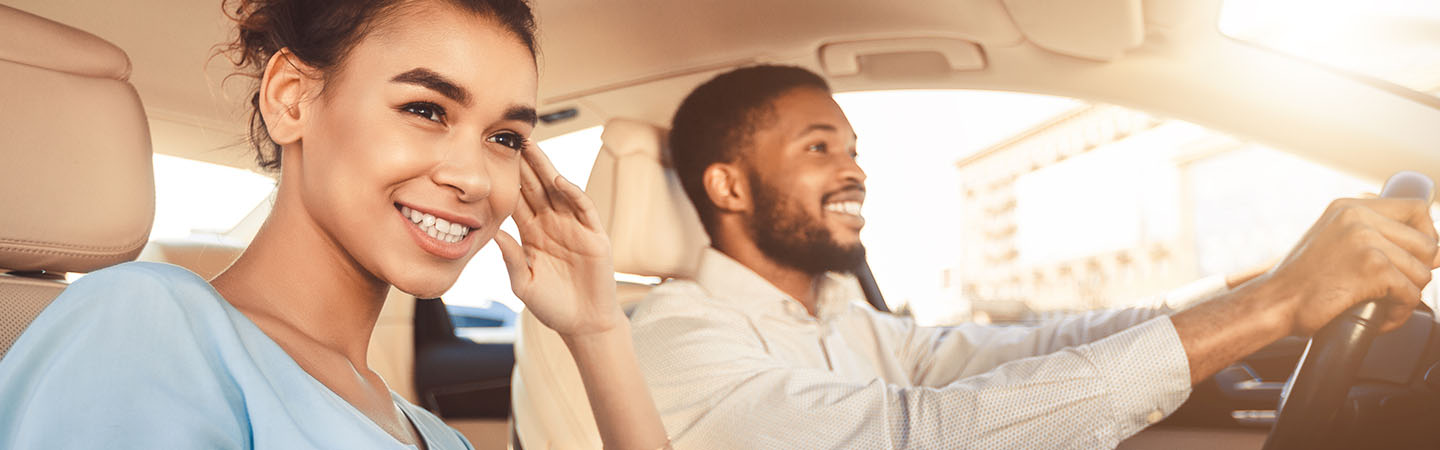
(561, 268)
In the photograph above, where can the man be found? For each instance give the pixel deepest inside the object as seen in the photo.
(769, 347)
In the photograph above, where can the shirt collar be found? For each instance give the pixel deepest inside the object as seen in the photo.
(726, 279)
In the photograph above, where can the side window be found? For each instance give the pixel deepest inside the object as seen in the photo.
(204, 201)
(1040, 206)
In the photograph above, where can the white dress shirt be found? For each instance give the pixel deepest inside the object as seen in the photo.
(733, 362)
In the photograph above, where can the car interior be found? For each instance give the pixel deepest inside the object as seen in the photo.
(90, 99)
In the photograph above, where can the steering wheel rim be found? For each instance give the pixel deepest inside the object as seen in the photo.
(1316, 393)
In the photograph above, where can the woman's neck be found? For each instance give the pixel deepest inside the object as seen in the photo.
(294, 274)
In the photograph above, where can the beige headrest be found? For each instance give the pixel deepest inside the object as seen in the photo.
(206, 259)
(77, 190)
(653, 229)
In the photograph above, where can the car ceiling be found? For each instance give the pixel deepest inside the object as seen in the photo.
(636, 59)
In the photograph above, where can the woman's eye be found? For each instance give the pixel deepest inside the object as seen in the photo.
(514, 141)
(818, 147)
(429, 111)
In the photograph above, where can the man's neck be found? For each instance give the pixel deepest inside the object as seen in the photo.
(798, 284)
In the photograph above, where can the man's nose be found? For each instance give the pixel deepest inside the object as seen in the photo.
(852, 170)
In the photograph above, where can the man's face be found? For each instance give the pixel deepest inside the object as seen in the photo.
(807, 189)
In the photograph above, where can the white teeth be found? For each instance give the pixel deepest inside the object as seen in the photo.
(851, 208)
(440, 229)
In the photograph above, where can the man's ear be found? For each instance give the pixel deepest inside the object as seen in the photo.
(728, 187)
(283, 87)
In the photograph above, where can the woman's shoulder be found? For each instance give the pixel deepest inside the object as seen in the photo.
(121, 349)
(136, 287)
(135, 303)
(140, 274)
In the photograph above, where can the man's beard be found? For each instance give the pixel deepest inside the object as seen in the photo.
(787, 235)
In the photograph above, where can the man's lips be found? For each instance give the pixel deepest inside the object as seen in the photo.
(845, 205)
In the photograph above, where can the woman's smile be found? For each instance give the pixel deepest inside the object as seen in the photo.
(444, 237)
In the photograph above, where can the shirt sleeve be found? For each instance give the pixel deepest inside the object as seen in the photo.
(717, 387)
(115, 362)
(937, 356)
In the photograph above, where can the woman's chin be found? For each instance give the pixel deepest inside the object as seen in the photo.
(422, 286)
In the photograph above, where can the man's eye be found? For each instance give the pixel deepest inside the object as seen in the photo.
(427, 110)
(514, 141)
(818, 147)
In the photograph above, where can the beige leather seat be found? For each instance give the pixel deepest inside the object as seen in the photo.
(654, 232)
(77, 189)
(206, 259)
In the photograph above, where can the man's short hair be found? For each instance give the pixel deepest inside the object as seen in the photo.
(716, 122)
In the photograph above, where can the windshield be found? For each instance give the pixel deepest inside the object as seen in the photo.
(1393, 40)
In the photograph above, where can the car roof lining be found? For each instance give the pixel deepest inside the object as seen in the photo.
(637, 59)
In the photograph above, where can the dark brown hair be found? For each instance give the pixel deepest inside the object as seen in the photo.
(716, 120)
(320, 33)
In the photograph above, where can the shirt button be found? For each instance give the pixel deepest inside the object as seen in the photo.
(1154, 416)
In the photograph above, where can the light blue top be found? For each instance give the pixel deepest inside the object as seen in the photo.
(149, 356)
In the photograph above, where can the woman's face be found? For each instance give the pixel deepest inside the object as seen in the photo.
(409, 158)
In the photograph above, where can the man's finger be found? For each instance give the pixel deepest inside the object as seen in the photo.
(1413, 269)
(1412, 212)
(1423, 247)
(1401, 298)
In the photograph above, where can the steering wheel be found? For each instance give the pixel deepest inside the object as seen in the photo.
(1317, 391)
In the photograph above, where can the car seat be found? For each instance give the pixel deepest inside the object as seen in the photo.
(76, 181)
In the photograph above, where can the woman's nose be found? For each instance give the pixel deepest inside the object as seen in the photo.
(464, 172)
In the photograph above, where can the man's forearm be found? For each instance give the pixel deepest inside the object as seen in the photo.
(1217, 333)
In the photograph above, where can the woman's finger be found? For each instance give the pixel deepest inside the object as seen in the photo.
(523, 212)
(580, 203)
(515, 261)
(539, 161)
(546, 173)
(532, 189)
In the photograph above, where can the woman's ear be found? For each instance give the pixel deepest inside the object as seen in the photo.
(282, 88)
(727, 187)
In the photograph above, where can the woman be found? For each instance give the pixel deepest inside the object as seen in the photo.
(399, 130)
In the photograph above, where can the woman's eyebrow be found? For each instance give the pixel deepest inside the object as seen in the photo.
(428, 79)
(521, 113)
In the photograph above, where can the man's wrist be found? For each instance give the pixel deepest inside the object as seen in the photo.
(1272, 299)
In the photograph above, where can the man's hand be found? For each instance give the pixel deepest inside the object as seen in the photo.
(1359, 250)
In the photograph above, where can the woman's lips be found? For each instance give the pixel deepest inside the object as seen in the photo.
(426, 233)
